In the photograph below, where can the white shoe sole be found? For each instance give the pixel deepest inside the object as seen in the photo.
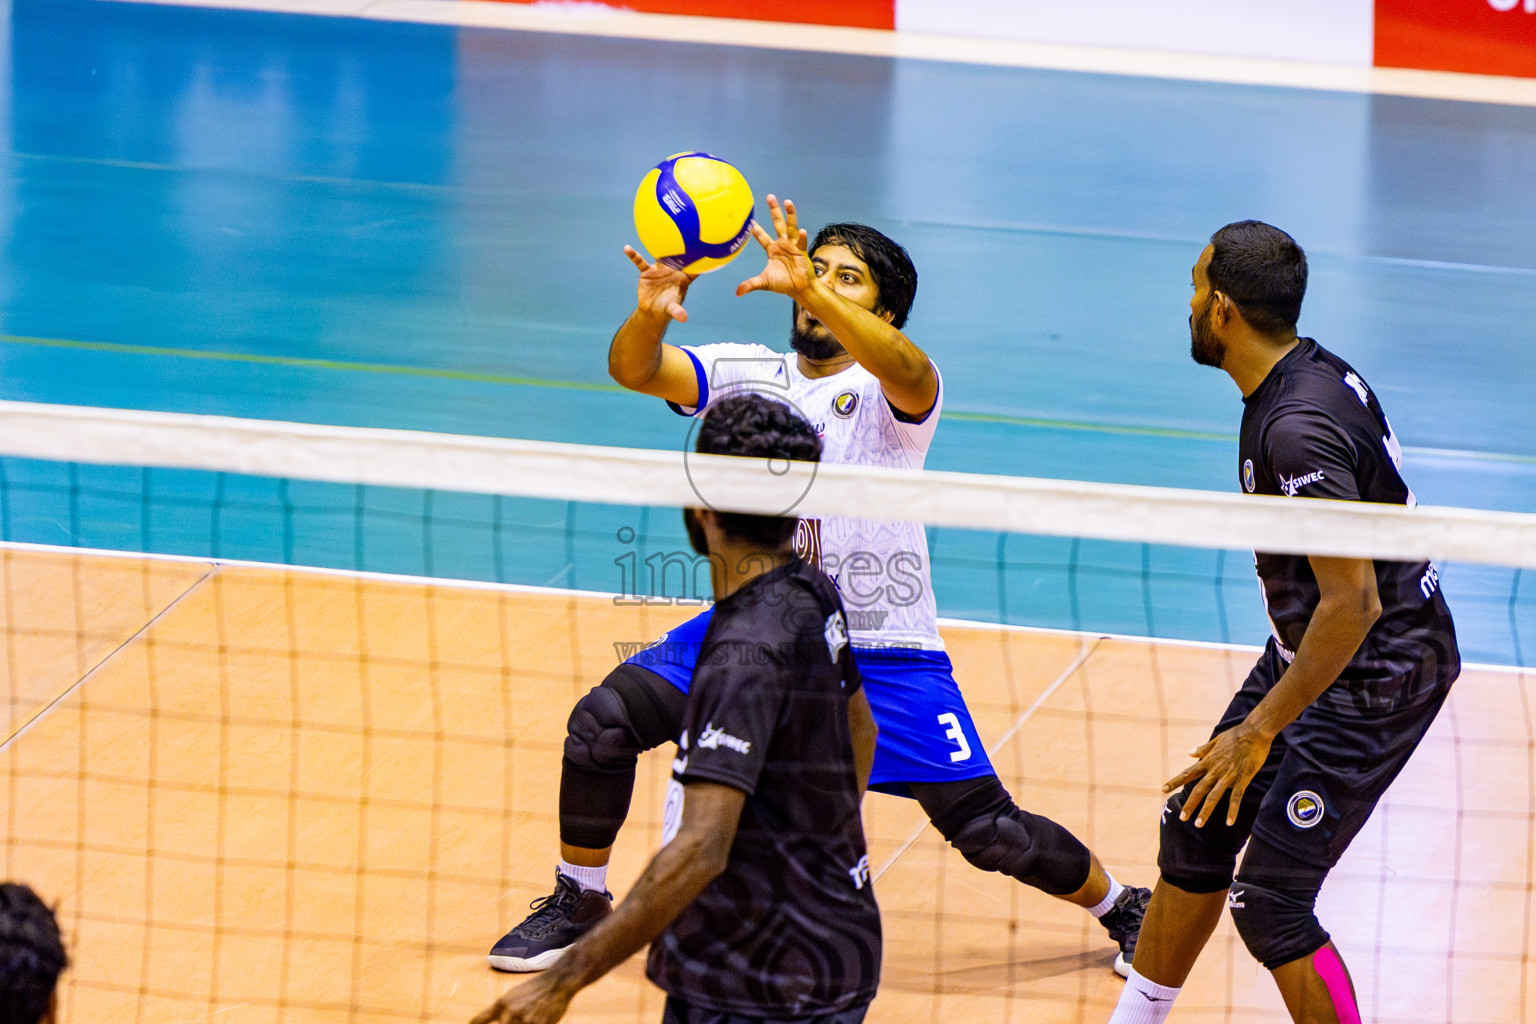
(519, 965)
(1122, 966)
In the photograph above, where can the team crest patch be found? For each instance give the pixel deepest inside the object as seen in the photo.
(845, 403)
(1305, 809)
(1248, 482)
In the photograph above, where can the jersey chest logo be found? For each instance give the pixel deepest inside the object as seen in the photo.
(845, 403)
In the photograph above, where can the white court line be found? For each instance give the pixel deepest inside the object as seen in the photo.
(42, 712)
(446, 583)
(599, 20)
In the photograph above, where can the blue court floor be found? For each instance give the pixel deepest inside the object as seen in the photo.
(386, 224)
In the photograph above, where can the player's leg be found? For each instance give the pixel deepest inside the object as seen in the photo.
(633, 710)
(1177, 925)
(1197, 866)
(929, 748)
(1340, 764)
(1273, 900)
(1318, 988)
(980, 819)
(636, 708)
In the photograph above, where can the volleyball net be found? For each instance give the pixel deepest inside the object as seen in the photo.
(321, 792)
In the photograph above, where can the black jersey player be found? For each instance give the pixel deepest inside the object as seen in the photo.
(1362, 657)
(759, 904)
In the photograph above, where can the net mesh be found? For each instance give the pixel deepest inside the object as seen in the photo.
(266, 792)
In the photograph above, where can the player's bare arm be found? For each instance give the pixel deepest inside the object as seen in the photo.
(863, 733)
(821, 287)
(1347, 607)
(674, 879)
(638, 358)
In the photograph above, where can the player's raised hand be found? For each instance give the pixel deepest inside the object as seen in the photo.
(661, 289)
(1227, 761)
(536, 1001)
(788, 270)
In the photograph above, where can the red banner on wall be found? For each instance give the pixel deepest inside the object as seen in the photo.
(1484, 37)
(848, 13)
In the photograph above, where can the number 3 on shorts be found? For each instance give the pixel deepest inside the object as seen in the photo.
(957, 734)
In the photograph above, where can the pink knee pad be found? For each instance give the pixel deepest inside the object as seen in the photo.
(1331, 969)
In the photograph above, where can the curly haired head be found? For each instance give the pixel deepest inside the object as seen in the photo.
(753, 426)
(31, 955)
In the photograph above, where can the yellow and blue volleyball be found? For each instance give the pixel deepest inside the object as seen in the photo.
(693, 212)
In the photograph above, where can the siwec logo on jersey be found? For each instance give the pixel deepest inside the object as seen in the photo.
(1305, 809)
(1293, 484)
(844, 404)
(1248, 481)
(714, 737)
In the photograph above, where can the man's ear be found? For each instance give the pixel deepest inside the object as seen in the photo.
(1223, 309)
(885, 314)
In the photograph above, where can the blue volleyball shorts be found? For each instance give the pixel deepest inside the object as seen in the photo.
(926, 732)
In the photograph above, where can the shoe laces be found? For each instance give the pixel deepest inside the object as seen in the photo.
(544, 908)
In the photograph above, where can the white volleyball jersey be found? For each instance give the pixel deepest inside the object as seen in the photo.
(880, 565)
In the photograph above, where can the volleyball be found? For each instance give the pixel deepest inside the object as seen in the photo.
(693, 212)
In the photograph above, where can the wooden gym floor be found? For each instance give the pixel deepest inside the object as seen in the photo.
(267, 795)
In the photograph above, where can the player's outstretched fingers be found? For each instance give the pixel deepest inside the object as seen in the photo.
(635, 258)
(776, 216)
(753, 284)
(791, 220)
(764, 239)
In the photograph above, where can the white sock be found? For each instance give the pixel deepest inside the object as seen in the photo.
(1143, 1002)
(1103, 906)
(590, 879)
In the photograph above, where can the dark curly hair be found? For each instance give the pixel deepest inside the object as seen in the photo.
(888, 263)
(1262, 270)
(754, 426)
(31, 955)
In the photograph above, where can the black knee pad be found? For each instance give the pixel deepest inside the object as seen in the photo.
(631, 711)
(1276, 925)
(995, 834)
(1272, 903)
(1196, 859)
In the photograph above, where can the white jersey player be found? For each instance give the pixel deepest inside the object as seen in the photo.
(880, 565)
(875, 398)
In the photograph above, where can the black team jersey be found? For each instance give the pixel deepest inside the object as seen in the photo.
(1313, 429)
(790, 928)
